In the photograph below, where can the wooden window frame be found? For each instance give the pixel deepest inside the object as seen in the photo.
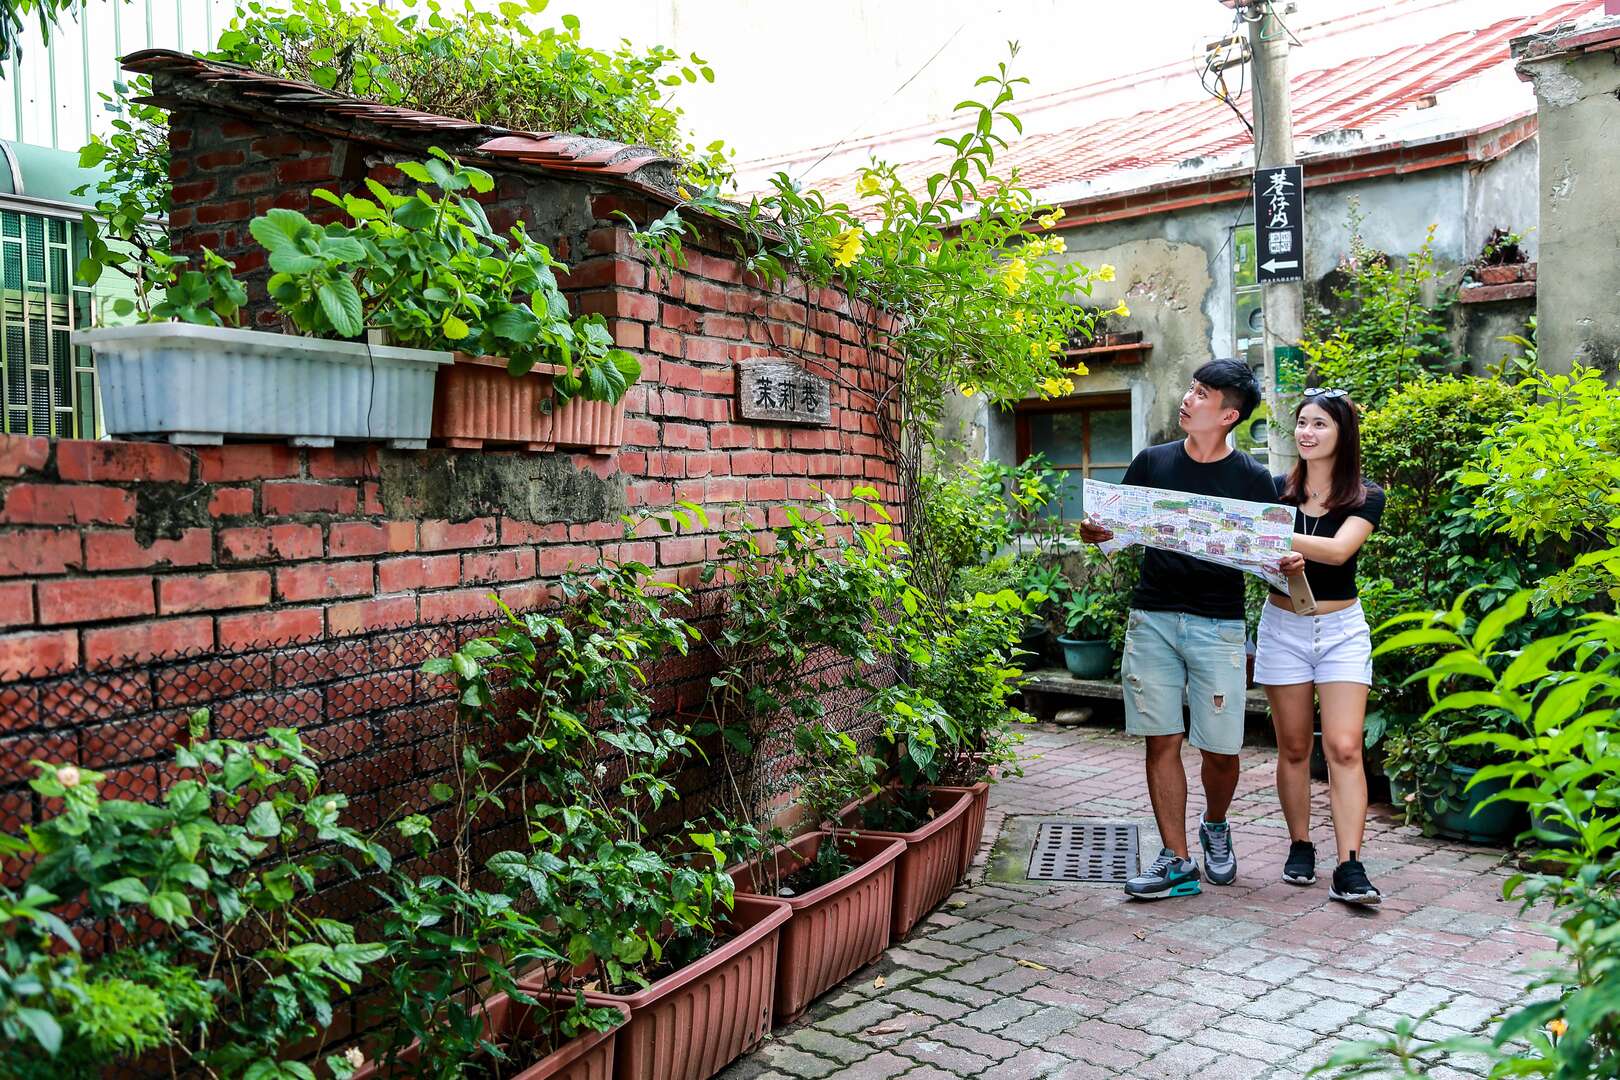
(1085, 406)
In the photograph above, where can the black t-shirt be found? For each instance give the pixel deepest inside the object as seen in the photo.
(1333, 582)
(1174, 582)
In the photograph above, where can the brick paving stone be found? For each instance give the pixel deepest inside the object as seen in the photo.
(999, 1014)
(951, 990)
(929, 1005)
(1255, 981)
(1037, 1027)
(951, 1060)
(827, 1045)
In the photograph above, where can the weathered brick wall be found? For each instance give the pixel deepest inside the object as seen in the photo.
(305, 586)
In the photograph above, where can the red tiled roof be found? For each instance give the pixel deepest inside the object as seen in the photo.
(1359, 95)
(255, 91)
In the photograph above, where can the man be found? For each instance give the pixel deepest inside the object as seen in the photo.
(1186, 635)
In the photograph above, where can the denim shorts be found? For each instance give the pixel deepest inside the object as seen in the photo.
(1296, 649)
(1170, 655)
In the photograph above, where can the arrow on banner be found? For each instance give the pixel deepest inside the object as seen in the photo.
(1271, 266)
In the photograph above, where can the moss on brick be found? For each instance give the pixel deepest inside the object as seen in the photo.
(458, 486)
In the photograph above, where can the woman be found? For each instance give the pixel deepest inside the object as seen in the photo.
(1326, 656)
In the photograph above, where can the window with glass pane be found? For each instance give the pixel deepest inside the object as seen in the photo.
(1090, 437)
(49, 385)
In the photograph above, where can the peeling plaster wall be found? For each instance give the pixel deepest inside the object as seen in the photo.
(1578, 291)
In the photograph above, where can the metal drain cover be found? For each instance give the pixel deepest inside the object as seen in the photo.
(1083, 851)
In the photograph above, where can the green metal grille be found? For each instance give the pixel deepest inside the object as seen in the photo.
(50, 386)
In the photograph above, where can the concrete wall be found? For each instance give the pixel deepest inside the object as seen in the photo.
(1504, 195)
(1578, 297)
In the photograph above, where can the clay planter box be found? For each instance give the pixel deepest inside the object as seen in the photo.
(476, 402)
(691, 1024)
(932, 863)
(200, 384)
(588, 1056)
(837, 928)
(1502, 275)
(596, 425)
(973, 829)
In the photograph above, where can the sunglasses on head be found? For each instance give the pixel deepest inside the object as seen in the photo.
(1324, 392)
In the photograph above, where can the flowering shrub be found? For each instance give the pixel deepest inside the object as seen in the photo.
(951, 275)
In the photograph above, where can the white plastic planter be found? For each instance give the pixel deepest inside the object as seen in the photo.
(200, 384)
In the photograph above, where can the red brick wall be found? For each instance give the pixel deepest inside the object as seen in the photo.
(285, 586)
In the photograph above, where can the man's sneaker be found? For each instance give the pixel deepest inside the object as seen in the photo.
(1220, 861)
(1170, 875)
(1300, 869)
(1350, 883)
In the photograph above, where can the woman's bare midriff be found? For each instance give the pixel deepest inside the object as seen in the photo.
(1323, 607)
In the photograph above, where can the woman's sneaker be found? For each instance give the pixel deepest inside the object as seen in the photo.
(1350, 883)
(1170, 875)
(1300, 869)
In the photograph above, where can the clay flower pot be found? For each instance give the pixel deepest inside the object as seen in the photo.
(837, 928)
(587, 1056)
(596, 425)
(691, 1024)
(973, 827)
(932, 863)
(476, 402)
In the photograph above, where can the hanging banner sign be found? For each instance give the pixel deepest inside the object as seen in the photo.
(1279, 224)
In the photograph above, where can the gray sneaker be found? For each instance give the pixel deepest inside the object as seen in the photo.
(1170, 875)
(1220, 861)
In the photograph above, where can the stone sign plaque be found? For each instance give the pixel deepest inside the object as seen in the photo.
(776, 391)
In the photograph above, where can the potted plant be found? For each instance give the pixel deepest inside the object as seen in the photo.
(623, 916)
(215, 953)
(1087, 652)
(930, 818)
(378, 307)
(839, 885)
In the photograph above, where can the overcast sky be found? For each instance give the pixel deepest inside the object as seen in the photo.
(791, 75)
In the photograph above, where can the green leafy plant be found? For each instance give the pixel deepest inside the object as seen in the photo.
(953, 275)
(1558, 755)
(431, 272)
(1551, 476)
(1384, 333)
(484, 64)
(215, 949)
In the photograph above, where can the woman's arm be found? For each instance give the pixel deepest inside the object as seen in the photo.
(1338, 549)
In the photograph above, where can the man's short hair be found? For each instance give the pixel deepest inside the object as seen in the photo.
(1239, 388)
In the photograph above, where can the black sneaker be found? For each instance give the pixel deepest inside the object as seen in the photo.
(1300, 869)
(1350, 884)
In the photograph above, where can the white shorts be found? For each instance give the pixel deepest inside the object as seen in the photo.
(1296, 649)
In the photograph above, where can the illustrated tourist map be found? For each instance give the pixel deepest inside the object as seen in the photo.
(1250, 536)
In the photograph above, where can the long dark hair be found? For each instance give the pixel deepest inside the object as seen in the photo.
(1347, 489)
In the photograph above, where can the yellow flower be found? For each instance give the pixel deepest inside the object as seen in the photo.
(867, 185)
(1057, 245)
(1050, 219)
(1013, 275)
(1079, 370)
(1057, 387)
(967, 391)
(1035, 350)
(1557, 1027)
(1121, 310)
(1105, 272)
(1054, 346)
(848, 247)
(1018, 318)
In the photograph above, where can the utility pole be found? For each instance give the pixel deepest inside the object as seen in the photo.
(1284, 302)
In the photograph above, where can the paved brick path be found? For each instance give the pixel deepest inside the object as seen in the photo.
(1257, 980)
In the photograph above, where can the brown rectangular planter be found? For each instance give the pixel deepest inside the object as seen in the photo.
(932, 863)
(973, 827)
(475, 402)
(587, 1056)
(836, 929)
(596, 425)
(691, 1024)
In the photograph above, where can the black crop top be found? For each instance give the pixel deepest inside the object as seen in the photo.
(1333, 582)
